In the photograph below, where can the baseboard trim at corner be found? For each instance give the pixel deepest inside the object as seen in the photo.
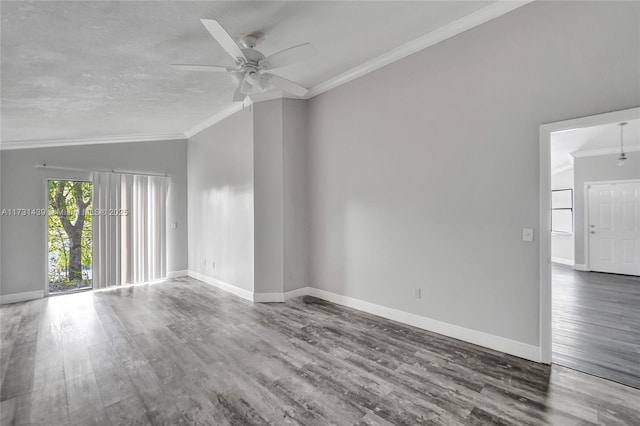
(501, 344)
(304, 291)
(21, 297)
(230, 288)
(268, 297)
(562, 261)
(280, 297)
(177, 274)
(580, 267)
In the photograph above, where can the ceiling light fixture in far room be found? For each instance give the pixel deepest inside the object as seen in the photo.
(623, 157)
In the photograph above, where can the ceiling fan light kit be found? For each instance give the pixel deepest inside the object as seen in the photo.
(249, 75)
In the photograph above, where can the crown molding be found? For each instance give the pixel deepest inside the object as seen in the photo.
(456, 27)
(232, 109)
(218, 116)
(48, 143)
(452, 29)
(604, 151)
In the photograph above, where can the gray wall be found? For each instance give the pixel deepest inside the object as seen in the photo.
(296, 212)
(593, 169)
(23, 186)
(248, 198)
(424, 172)
(281, 214)
(220, 164)
(269, 198)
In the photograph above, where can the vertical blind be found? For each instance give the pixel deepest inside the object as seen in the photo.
(129, 228)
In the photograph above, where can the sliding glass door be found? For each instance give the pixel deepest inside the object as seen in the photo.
(69, 233)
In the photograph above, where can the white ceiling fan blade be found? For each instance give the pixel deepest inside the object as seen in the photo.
(238, 96)
(223, 37)
(286, 85)
(202, 68)
(288, 56)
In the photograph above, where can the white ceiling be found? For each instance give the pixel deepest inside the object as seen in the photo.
(592, 140)
(99, 69)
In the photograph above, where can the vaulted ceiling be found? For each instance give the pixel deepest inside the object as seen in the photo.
(100, 69)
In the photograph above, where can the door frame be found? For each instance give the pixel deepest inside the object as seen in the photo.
(45, 218)
(587, 246)
(545, 210)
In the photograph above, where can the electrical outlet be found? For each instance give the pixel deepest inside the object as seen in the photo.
(205, 262)
(527, 234)
(417, 293)
(213, 265)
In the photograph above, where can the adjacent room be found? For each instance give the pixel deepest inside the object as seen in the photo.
(319, 212)
(595, 181)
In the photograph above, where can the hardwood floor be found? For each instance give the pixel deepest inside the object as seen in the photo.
(596, 324)
(183, 352)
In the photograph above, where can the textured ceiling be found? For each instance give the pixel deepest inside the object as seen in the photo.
(563, 144)
(92, 69)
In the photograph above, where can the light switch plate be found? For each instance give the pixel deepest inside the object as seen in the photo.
(527, 234)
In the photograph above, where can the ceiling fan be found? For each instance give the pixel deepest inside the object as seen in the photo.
(250, 73)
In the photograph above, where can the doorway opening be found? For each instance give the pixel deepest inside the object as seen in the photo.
(69, 236)
(590, 245)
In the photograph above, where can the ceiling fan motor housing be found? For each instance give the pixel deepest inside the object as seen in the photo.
(253, 57)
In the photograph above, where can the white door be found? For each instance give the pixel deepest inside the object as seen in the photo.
(614, 228)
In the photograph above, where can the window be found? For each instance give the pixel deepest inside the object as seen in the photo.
(562, 211)
(70, 237)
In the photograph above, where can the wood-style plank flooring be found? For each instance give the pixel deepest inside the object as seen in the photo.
(183, 352)
(596, 324)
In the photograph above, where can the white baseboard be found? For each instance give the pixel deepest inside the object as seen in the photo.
(280, 297)
(21, 297)
(562, 261)
(177, 274)
(580, 267)
(240, 292)
(246, 294)
(501, 344)
(304, 291)
(268, 297)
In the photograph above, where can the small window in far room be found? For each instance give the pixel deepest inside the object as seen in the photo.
(562, 211)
